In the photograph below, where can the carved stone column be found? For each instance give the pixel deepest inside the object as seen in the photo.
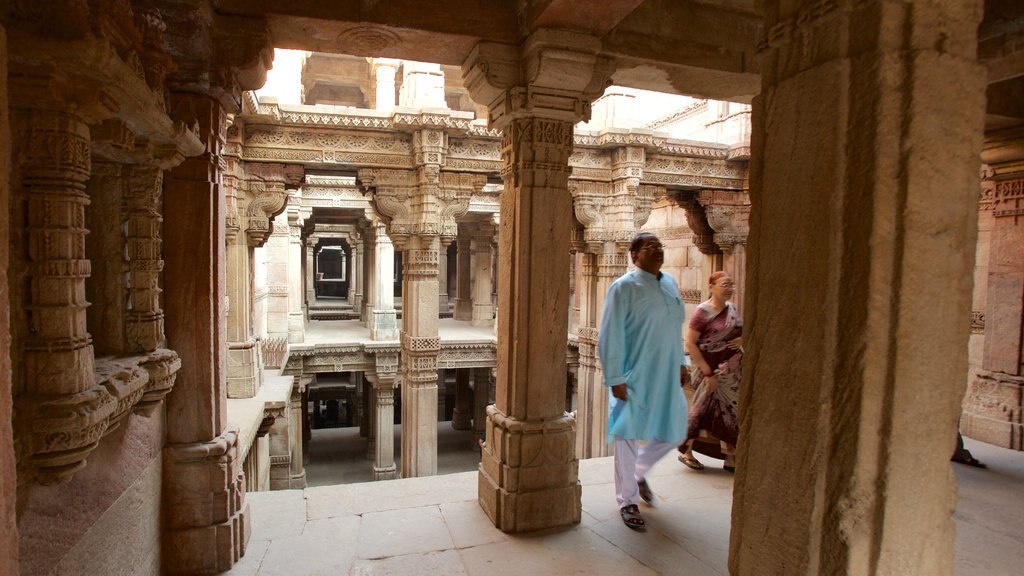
(420, 346)
(370, 273)
(384, 382)
(355, 290)
(994, 404)
(203, 481)
(384, 319)
(728, 214)
(62, 412)
(462, 416)
(296, 319)
(249, 227)
(878, 127)
(463, 259)
(483, 250)
(297, 407)
(443, 304)
(535, 94)
(309, 250)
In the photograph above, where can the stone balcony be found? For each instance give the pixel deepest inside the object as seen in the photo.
(433, 525)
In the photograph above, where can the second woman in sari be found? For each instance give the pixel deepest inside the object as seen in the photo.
(714, 340)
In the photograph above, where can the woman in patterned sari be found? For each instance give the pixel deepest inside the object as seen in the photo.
(714, 340)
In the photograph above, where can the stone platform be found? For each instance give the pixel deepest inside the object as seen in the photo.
(433, 525)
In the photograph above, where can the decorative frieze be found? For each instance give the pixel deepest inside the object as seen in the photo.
(1008, 198)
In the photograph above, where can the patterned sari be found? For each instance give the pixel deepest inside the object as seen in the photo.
(713, 415)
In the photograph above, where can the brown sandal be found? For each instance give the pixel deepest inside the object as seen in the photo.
(691, 462)
(631, 517)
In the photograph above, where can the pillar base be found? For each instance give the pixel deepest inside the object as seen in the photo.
(385, 473)
(529, 474)
(299, 481)
(243, 377)
(207, 517)
(993, 409)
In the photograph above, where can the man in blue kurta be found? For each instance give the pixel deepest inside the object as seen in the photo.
(641, 348)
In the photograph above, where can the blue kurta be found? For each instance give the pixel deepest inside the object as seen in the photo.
(641, 345)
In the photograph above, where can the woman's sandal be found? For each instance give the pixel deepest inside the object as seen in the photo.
(631, 517)
(971, 461)
(691, 462)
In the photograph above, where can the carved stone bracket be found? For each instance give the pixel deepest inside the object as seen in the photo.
(268, 197)
(391, 192)
(552, 74)
(271, 412)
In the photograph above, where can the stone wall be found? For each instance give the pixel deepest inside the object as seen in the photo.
(106, 519)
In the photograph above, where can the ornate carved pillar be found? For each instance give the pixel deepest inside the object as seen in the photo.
(371, 273)
(421, 208)
(443, 304)
(420, 346)
(296, 405)
(248, 227)
(483, 250)
(61, 410)
(296, 319)
(878, 127)
(384, 381)
(728, 214)
(463, 259)
(535, 93)
(355, 290)
(309, 250)
(993, 407)
(384, 319)
(202, 478)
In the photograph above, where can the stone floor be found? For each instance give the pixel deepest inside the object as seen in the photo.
(426, 526)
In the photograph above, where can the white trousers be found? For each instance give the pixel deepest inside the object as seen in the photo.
(632, 463)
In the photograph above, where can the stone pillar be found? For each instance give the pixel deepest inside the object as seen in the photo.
(203, 482)
(370, 274)
(880, 124)
(728, 215)
(309, 250)
(384, 70)
(463, 277)
(384, 322)
(481, 398)
(483, 304)
(420, 346)
(597, 274)
(8, 475)
(371, 421)
(993, 407)
(278, 248)
(462, 416)
(355, 291)
(442, 281)
(296, 319)
(296, 407)
(384, 382)
(528, 471)
(243, 372)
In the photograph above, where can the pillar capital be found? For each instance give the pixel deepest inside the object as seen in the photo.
(553, 74)
(267, 196)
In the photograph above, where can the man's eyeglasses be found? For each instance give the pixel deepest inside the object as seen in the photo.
(653, 246)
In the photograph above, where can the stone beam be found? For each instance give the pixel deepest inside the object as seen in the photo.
(575, 15)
